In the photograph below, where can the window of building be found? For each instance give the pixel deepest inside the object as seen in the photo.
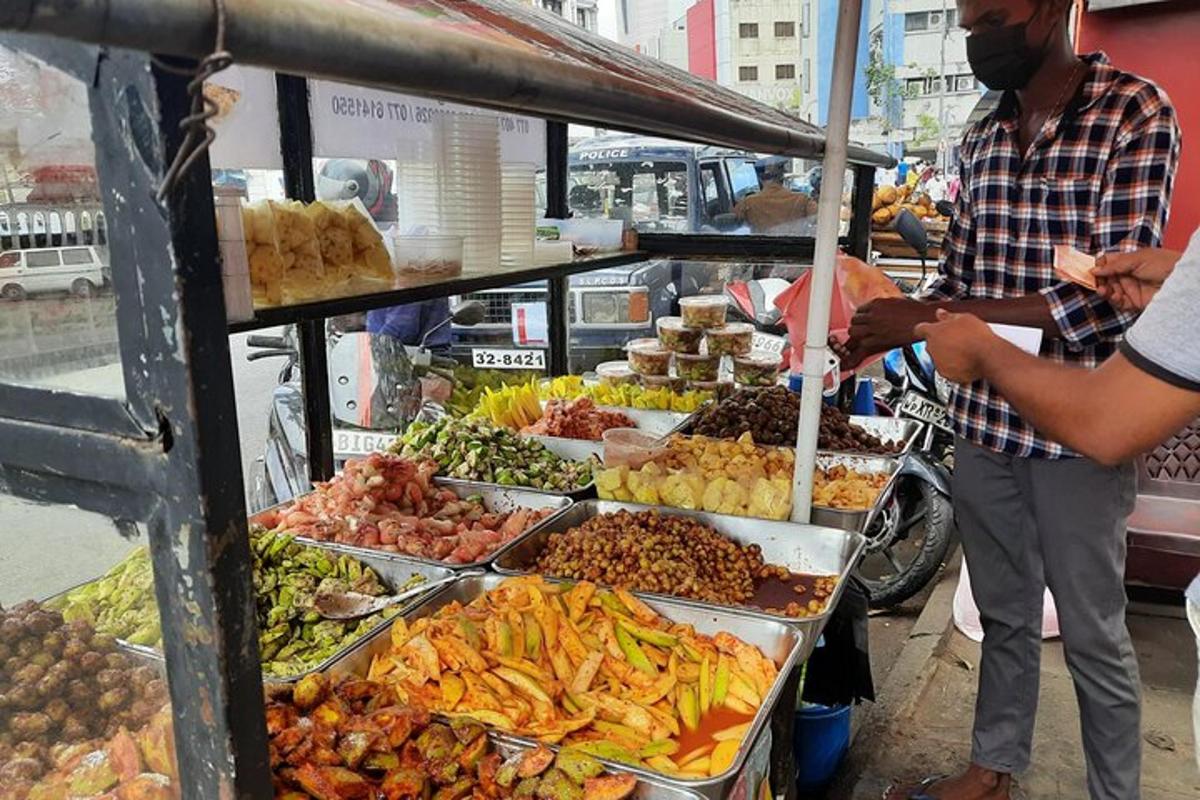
(915, 86)
(785, 30)
(553, 5)
(916, 21)
(748, 30)
(785, 72)
(964, 83)
(747, 73)
(952, 18)
(935, 86)
(808, 75)
(805, 17)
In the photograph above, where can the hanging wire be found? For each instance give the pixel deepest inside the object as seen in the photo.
(199, 134)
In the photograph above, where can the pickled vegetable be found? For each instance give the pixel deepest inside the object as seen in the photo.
(734, 339)
(697, 367)
(704, 311)
(677, 337)
(756, 370)
(648, 357)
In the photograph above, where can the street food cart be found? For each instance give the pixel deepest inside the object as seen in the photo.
(165, 452)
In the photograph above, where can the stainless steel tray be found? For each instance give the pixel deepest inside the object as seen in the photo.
(856, 519)
(801, 548)
(393, 571)
(889, 429)
(569, 449)
(655, 423)
(494, 498)
(780, 642)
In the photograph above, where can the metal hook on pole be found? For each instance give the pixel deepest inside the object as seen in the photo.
(200, 135)
(829, 208)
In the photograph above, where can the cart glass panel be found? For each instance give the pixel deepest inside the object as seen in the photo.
(57, 315)
(83, 706)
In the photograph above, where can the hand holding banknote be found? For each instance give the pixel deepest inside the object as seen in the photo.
(1130, 280)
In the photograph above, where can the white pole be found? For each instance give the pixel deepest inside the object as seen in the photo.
(829, 209)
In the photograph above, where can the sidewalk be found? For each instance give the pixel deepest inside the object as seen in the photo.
(921, 724)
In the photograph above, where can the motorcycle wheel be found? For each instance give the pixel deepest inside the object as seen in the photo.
(907, 543)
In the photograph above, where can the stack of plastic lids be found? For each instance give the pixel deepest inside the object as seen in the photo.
(518, 213)
(470, 180)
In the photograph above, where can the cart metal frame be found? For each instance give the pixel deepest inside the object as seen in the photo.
(167, 455)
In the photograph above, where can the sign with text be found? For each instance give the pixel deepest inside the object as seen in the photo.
(504, 358)
(356, 122)
(529, 324)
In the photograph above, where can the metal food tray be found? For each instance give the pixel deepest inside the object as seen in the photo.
(654, 423)
(801, 548)
(860, 518)
(569, 449)
(494, 497)
(657, 788)
(780, 642)
(393, 571)
(889, 429)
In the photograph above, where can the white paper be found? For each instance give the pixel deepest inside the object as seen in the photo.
(529, 324)
(1028, 339)
(248, 125)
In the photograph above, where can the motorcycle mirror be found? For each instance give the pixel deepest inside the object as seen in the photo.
(912, 232)
(472, 312)
(945, 208)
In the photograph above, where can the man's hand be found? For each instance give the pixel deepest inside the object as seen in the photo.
(1130, 280)
(958, 344)
(883, 324)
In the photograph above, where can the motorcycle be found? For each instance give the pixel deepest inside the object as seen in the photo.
(911, 535)
(377, 386)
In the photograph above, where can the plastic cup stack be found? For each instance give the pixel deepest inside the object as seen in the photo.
(518, 213)
(470, 176)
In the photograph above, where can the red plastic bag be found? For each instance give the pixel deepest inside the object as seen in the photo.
(857, 283)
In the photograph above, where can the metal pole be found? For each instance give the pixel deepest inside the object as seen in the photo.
(558, 319)
(829, 206)
(941, 154)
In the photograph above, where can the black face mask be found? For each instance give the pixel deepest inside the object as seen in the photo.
(1002, 59)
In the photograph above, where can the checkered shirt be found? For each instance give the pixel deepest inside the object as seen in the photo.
(1098, 177)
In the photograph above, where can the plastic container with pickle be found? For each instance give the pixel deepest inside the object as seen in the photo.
(648, 357)
(756, 369)
(670, 382)
(734, 339)
(697, 367)
(704, 310)
(616, 373)
(720, 389)
(677, 337)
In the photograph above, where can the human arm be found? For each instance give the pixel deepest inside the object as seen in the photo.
(1109, 414)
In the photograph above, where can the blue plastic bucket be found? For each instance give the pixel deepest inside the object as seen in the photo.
(821, 739)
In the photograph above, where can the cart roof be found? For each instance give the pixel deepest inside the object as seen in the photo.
(492, 53)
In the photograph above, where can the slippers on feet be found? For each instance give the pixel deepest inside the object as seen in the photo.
(918, 792)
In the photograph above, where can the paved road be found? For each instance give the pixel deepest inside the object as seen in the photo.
(45, 549)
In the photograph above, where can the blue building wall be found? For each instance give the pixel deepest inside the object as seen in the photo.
(826, 33)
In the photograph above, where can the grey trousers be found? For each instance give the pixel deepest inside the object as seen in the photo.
(1030, 523)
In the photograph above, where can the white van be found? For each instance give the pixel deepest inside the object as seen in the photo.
(79, 270)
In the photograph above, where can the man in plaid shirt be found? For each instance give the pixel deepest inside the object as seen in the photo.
(1079, 153)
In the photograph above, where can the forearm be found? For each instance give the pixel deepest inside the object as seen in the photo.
(1030, 311)
(1109, 414)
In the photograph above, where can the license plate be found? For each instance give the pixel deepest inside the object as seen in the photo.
(922, 408)
(502, 358)
(360, 443)
(767, 343)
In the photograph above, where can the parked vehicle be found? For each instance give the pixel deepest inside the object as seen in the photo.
(375, 391)
(911, 536)
(79, 270)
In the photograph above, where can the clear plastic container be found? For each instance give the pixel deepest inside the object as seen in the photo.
(734, 339)
(629, 447)
(704, 311)
(757, 369)
(677, 337)
(615, 373)
(664, 382)
(648, 357)
(697, 367)
(428, 255)
(720, 389)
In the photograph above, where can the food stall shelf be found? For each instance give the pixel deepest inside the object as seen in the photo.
(780, 642)
(807, 549)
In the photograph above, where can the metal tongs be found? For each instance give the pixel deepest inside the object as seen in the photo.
(351, 605)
